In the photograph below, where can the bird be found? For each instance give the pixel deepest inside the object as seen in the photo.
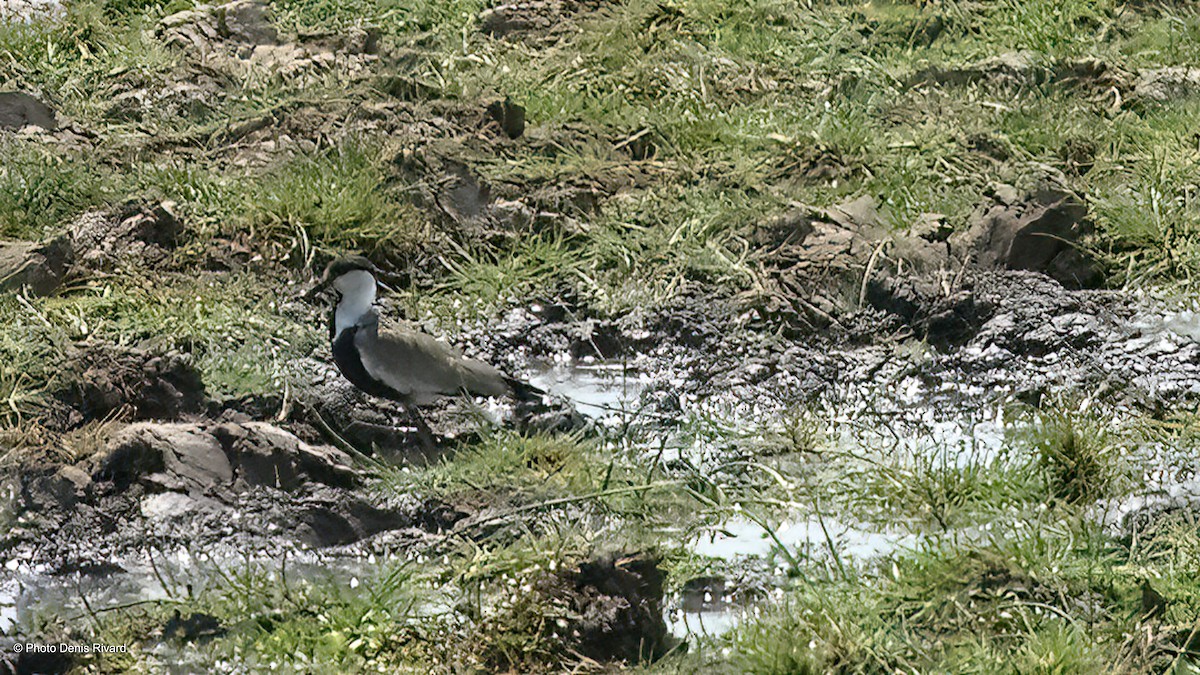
(401, 364)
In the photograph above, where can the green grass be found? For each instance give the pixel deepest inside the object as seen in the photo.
(339, 197)
(80, 59)
(40, 190)
(1012, 605)
(547, 466)
(298, 621)
(232, 328)
(1080, 456)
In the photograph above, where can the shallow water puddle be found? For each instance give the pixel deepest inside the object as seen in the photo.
(683, 623)
(599, 390)
(711, 613)
(26, 593)
(741, 537)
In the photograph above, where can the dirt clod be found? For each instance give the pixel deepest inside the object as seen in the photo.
(616, 603)
(216, 460)
(143, 384)
(139, 233)
(193, 627)
(18, 110)
(1043, 232)
(509, 115)
(39, 266)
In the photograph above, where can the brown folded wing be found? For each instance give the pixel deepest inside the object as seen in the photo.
(422, 368)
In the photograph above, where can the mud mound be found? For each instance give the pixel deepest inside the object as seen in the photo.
(1024, 70)
(608, 609)
(185, 484)
(937, 313)
(1042, 232)
(140, 234)
(616, 609)
(821, 268)
(239, 37)
(215, 460)
(107, 379)
(815, 262)
(533, 20)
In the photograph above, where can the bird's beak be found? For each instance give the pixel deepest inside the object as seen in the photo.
(317, 290)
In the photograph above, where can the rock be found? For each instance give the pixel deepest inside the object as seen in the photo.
(1042, 232)
(79, 480)
(860, 214)
(122, 463)
(40, 267)
(509, 115)
(106, 379)
(18, 110)
(188, 30)
(247, 22)
(266, 455)
(217, 460)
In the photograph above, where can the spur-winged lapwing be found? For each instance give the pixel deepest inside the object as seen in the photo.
(404, 365)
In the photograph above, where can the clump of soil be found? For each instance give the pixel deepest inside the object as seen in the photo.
(139, 233)
(609, 610)
(616, 603)
(181, 484)
(1042, 232)
(533, 20)
(18, 110)
(107, 379)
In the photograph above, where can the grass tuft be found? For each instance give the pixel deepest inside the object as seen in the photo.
(1079, 455)
(40, 190)
(340, 197)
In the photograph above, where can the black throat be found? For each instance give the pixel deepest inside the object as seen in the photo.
(345, 355)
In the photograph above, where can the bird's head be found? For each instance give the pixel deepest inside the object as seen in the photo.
(347, 275)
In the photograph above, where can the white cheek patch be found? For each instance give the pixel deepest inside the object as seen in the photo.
(358, 296)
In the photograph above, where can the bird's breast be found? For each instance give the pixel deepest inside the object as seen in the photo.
(349, 362)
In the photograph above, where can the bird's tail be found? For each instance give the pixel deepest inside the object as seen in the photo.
(525, 392)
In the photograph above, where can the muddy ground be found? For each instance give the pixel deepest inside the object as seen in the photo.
(181, 455)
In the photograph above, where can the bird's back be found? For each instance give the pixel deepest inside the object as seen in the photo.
(421, 368)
